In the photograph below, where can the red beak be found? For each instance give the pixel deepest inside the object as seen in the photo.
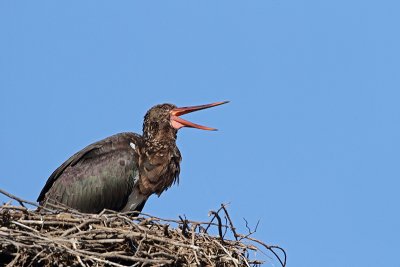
(178, 122)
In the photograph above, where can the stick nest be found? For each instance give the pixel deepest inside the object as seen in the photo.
(64, 237)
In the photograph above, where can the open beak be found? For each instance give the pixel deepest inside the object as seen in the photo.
(178, 122)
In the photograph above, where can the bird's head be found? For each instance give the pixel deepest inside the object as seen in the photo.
(163, 119)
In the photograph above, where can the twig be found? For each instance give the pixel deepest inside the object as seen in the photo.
(227, 253)
(22, 201)
(270, 248)
(248, 228)
(77, 256)
(184, 227)
(230, 222)
(210, 223)
(219, 225)
(193, 244)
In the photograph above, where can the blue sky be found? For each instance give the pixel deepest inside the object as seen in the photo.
(309, 143)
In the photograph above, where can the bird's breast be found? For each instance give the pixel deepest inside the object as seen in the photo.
(158, 171)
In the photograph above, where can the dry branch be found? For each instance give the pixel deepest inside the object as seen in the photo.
(50, 237)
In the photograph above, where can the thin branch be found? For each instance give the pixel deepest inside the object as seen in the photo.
(230, 222)
(216, 215)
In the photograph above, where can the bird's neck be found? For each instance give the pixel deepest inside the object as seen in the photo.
(159, 135)
(159, 145)
(158, 163)
(160, 140)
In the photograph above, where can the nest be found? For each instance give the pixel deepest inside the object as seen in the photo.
(65, 237)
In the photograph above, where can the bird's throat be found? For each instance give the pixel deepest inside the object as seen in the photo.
(166, 135)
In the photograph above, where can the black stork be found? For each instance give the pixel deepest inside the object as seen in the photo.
(120, 172)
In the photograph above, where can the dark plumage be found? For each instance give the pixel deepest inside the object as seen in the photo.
(122, 171)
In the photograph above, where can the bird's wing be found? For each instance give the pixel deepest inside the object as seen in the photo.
(100, 176)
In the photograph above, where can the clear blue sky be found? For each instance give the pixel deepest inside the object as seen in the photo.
(309, 143)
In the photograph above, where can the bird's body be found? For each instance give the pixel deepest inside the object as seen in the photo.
(101, 176)
(122, 171)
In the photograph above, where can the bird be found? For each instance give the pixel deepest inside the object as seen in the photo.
(122, 171)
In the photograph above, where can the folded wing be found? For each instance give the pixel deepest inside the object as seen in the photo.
(101, 176)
